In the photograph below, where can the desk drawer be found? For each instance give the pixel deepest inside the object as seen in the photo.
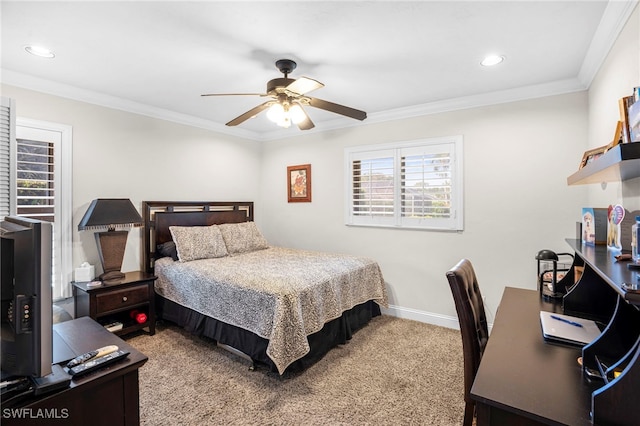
(122, 298)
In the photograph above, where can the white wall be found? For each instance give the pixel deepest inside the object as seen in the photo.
(517, 158)
(617, 77)
(122, 155)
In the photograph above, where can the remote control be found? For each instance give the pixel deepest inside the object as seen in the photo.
(97, 362)
(91, 354)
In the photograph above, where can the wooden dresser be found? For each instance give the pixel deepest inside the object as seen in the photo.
(108, 396)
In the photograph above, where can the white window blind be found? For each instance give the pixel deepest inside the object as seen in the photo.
(7, 133)
(35, 185)
(416, 184)
(373, 187)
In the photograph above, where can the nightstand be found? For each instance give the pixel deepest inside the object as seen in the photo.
(114, 302)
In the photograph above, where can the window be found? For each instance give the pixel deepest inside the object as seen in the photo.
(41, 189)
(415, 184)
(35, 184)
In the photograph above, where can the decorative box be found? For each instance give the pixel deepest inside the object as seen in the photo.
(84, 272)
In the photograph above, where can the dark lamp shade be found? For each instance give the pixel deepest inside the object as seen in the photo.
(546, 255)
(110, 213)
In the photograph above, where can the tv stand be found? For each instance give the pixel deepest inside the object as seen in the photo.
(58, 379)
(108, 396)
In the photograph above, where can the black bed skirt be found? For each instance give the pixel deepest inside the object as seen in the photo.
(334, 333)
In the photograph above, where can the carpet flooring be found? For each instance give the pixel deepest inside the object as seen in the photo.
(393, 372)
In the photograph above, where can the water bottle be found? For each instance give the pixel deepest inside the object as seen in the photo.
(635, 241)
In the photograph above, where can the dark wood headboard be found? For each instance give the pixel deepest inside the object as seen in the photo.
(160, 215)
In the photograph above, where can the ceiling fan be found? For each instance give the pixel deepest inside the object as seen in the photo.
(288, 96)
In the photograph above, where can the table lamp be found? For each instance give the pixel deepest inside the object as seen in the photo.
(111, 213)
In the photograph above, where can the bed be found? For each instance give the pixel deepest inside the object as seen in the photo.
(219, 278)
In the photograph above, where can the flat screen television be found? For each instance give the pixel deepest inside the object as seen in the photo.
(27, 334)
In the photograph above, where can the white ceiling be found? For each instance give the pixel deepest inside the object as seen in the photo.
(391, 59)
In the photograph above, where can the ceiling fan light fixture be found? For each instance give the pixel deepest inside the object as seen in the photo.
(297, 114)
(280, 115)
(286, 122)
(275, 112)
(283, 114)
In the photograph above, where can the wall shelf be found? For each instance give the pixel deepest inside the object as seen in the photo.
(622, 162)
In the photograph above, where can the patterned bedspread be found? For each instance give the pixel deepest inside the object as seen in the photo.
(280, 294)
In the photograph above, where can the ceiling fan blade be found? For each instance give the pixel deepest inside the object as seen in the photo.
(303, 85)
(235, 94)
(251, 113)
(305, 124)
(338, 109)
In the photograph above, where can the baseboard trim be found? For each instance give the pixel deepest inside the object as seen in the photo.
(426, 317)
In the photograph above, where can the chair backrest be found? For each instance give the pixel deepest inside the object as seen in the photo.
(472, 318)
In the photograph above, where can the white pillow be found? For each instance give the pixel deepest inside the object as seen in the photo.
(198, 242)
(242, 237)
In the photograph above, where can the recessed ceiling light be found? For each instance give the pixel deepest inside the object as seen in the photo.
(492, 60)
(40, 51)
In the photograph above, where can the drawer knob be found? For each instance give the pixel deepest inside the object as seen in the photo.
(124, 298)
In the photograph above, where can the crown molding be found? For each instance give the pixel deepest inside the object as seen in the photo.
(448, 105)
(30, 82)
(485, 99)
(613, 20)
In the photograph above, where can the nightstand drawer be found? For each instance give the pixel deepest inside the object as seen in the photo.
(122, 298)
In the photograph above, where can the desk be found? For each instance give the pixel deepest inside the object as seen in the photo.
(522, 380)
(108, 396)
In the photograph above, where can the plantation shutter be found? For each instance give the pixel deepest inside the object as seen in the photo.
(7, 133)
(373, 187)
(426, 182)
(35, 186)
(410, 184)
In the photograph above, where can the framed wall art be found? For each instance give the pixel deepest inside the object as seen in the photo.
(299, 183)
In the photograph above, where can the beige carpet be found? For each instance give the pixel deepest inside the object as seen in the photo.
(393, 372)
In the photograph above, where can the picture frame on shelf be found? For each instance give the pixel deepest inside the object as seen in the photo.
(633, 114)
(617, 137)
(299, 183)
(623, 105)
(591, 155)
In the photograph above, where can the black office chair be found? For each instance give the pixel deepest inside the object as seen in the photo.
(473, 326)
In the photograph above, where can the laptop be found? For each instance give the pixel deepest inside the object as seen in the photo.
(567, 329)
